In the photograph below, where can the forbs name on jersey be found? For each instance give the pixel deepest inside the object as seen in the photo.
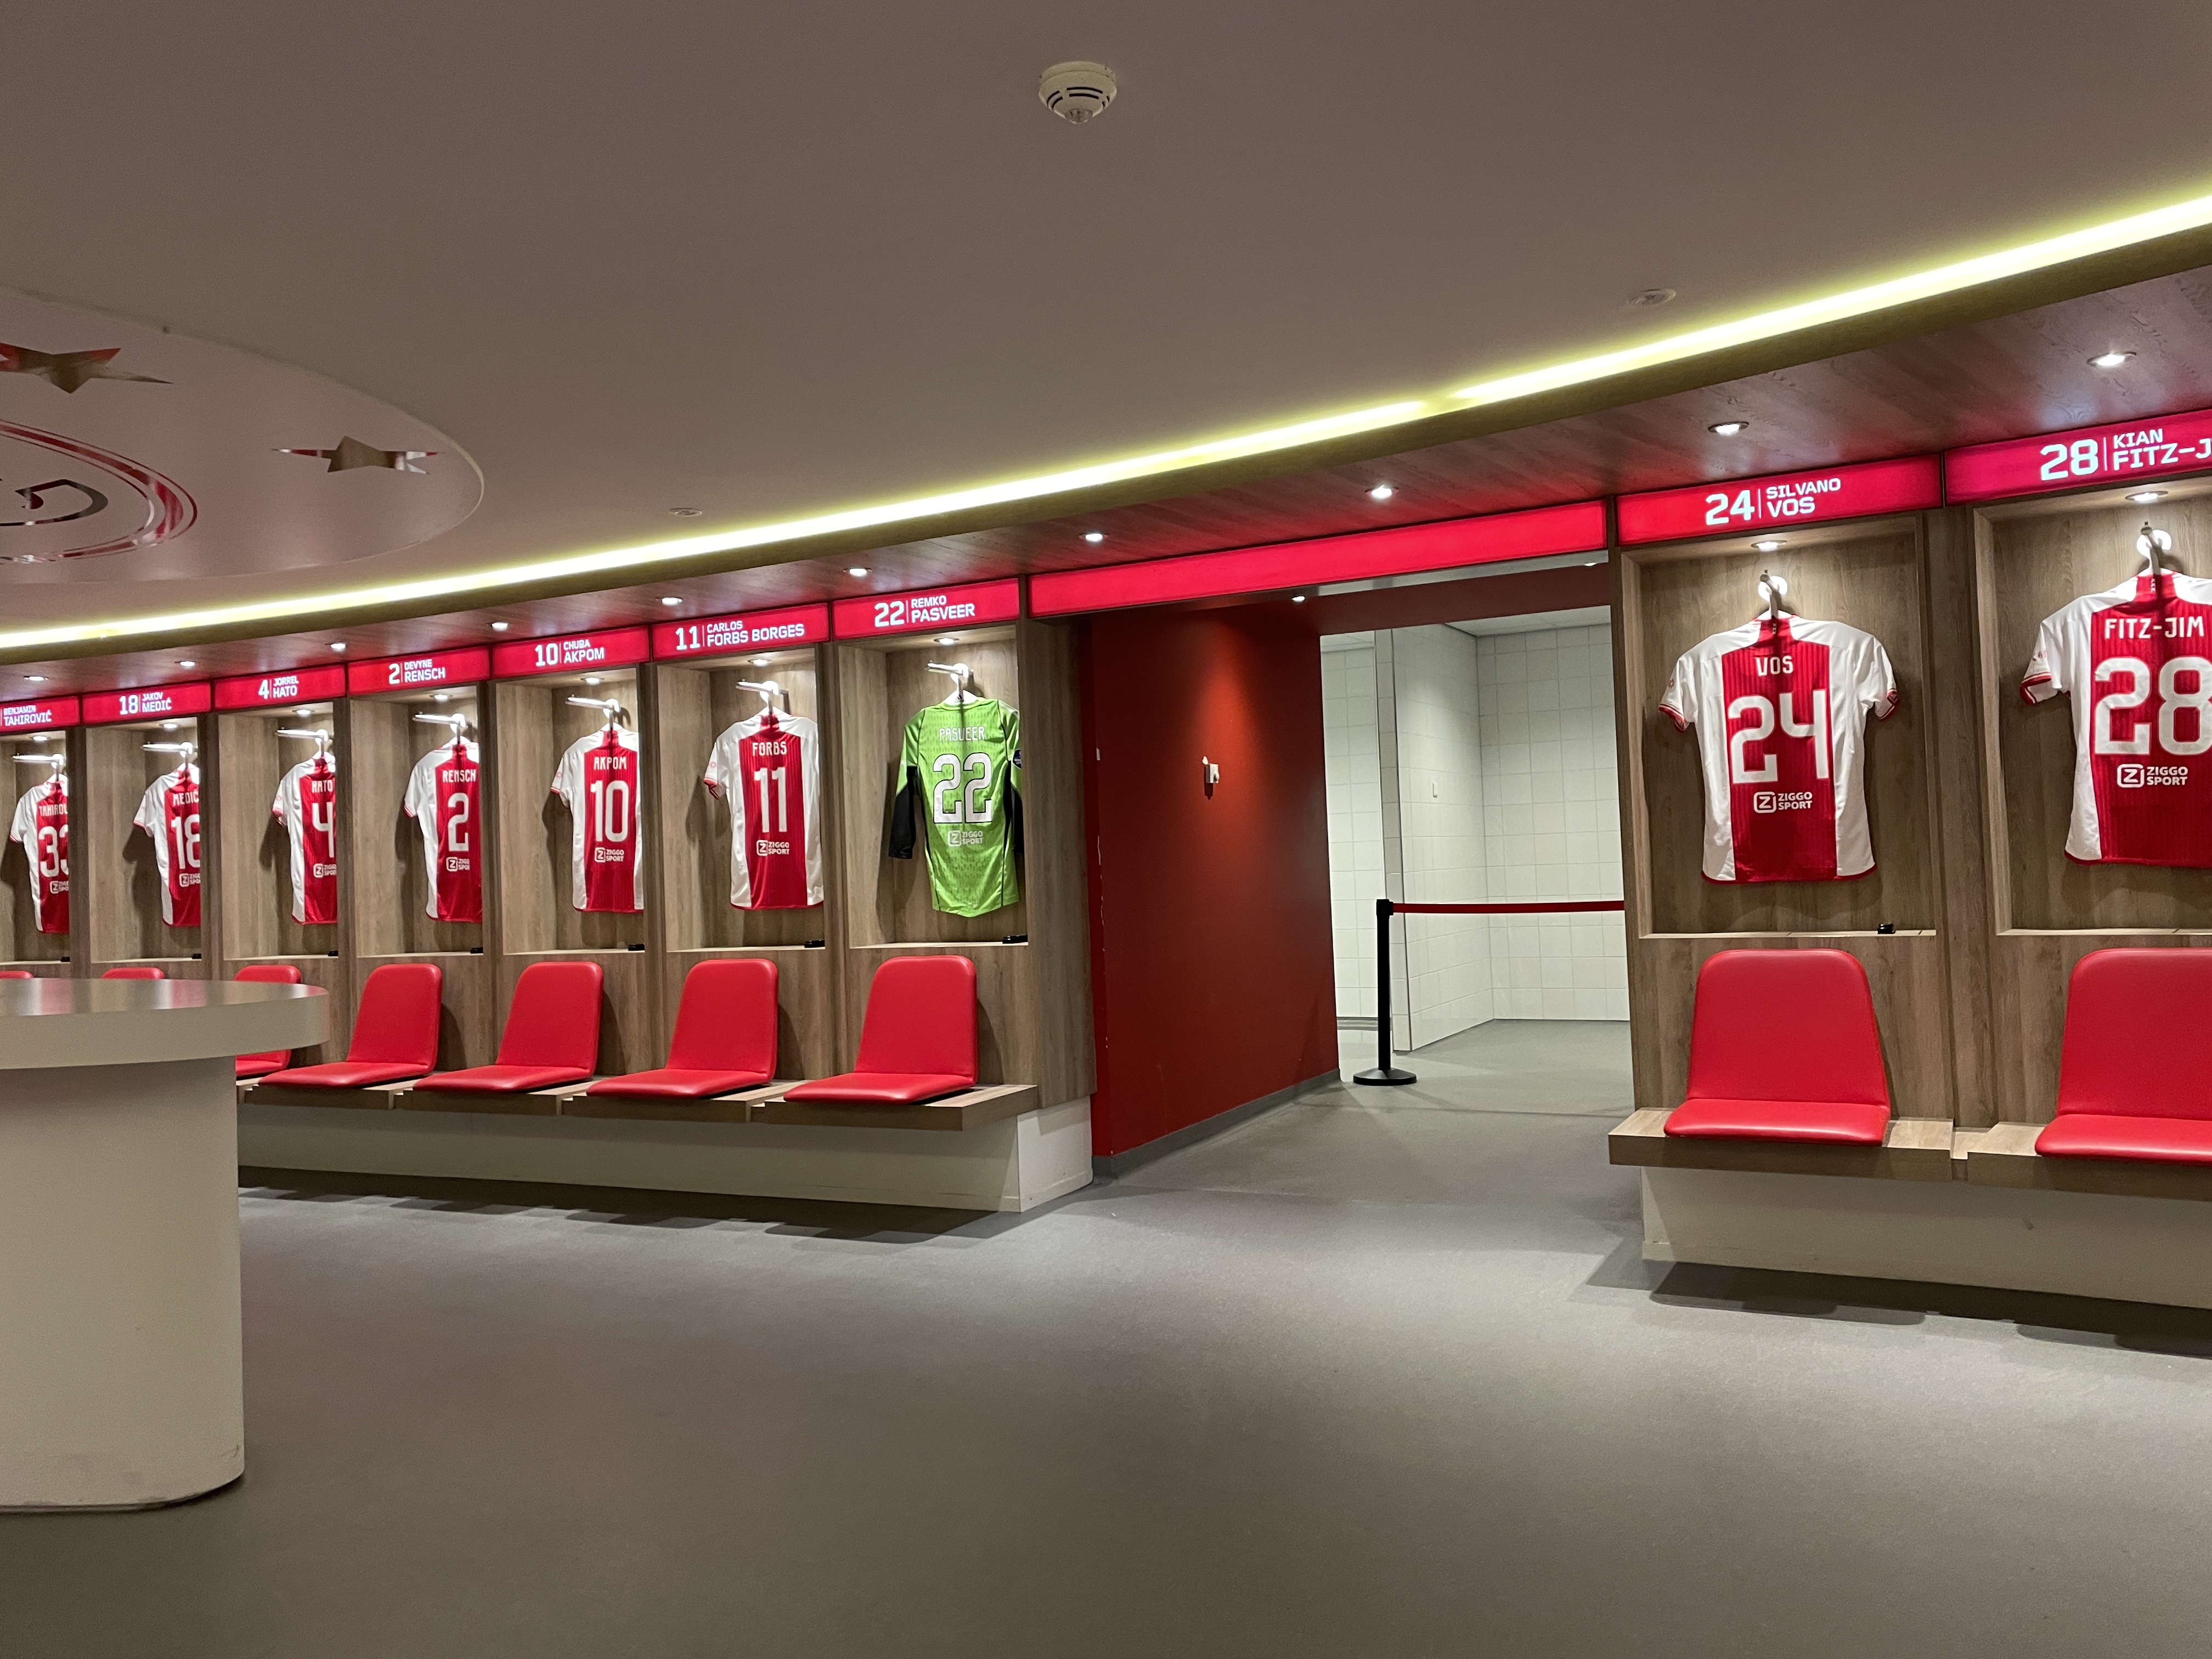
(765, 849)
(2130, 775)
(771, 745)
(1781, 800)
(2151, 628)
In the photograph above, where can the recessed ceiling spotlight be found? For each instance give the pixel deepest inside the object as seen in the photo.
(761, 662)
(2110, 359)
(2145, 497)
(856, 570)
(1590, 565)
(1094, 536)
(948, 639)
(1651, 296)
(1297, 598)
(441, 696)
(187, 662)
(501, 628)
(1381, 493)
(168, 726)
(1726, 429)
(1767, 545)
(304, 710)
(591, 679)
(670, 599)
(687, 512)
(337, 645)
(36, 679)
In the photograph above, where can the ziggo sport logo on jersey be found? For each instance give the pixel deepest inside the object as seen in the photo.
(1781, 800)
(2133, 775)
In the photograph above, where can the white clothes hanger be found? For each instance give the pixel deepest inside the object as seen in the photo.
(1772, 591)
(606, 706)
(185, 748)
(963, 679)
(2152, 546)
(770, 691)
(458, 724)
(320, 736)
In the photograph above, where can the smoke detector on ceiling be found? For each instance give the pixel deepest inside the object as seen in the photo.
(1077, 90)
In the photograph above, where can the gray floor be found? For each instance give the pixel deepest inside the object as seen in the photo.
(1369, 1375)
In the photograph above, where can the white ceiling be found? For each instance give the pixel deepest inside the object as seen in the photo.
(765, 260)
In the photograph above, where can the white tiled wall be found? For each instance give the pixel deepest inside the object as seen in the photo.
(1440, 782)
(1352, 763)
(1462, 768)
(1552, 820)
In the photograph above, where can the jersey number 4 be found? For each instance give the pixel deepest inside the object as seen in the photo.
(948, 803)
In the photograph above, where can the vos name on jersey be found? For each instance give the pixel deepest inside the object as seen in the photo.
(2137, 660)
(769, 770)
(599, 780)
(1780, 705)
(41, 829)
(306, 806)
(169, 812)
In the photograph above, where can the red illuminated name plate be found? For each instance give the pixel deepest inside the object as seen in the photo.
(2087, 455)
(1496, 538)
(431, 668)
(1785, 498)
(757, 631)
(976, 605)
(618, 648)
(294, 685)
(153, 702)
(46, 716)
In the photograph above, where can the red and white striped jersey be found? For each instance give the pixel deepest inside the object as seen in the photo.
(169, 812)
(602, 784)
(770, 770)
(2137, 662)
(1780, 706)
(442, 798)
(41, 826)
(308, 806)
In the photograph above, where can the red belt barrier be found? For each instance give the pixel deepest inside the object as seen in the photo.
(1384, 1071)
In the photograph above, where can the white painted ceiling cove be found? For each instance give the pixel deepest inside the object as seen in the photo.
(765, 260)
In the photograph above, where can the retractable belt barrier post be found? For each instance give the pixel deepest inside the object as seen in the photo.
(1384, 1074)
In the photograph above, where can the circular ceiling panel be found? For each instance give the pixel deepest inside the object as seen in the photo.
(131, 454)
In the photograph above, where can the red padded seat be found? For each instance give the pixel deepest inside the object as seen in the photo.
(2132, 1078)
(266, 973)
(395, 1032)
(552, 1035)
(917, 1038)
(724, 1036)
(1783, 1047)
(133, 973)
(16, 973)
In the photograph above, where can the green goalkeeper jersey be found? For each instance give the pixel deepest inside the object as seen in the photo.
(956, 777)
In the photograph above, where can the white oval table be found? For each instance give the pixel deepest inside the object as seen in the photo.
(121, 1377)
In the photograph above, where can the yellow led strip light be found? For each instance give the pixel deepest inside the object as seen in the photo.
(617, 561)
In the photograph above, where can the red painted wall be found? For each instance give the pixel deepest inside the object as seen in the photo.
(1212, 982)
